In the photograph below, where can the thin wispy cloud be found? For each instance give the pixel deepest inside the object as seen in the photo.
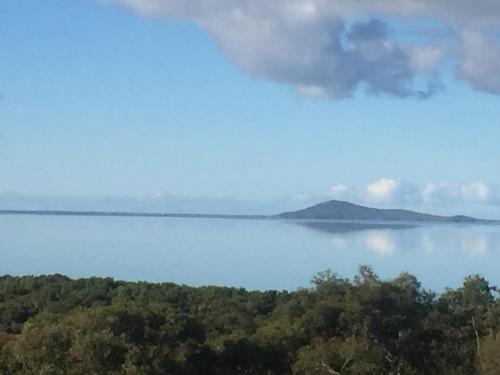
(332, 48)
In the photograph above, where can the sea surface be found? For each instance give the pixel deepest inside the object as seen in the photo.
(254, 254)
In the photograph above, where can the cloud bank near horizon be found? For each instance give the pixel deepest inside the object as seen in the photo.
(333, 48)
(443, 197)
(393, 192)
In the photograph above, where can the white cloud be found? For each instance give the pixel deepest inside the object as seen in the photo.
(331, 48)
(446, 193)
(383, 190)
(392, 192)
(339, 191)
(476, 192)
(440, 193)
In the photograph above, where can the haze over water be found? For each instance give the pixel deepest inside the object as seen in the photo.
(254, 254)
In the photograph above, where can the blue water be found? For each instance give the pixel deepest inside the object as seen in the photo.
(243, 253)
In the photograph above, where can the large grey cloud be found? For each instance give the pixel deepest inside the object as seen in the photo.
(331, 48)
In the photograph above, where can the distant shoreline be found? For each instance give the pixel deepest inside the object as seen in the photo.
(309, 214)
(130, 214)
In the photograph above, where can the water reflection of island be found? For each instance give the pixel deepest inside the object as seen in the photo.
(375, 236)
(385, 239)
(336, 227)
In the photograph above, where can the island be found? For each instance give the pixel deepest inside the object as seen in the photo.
(342, 210)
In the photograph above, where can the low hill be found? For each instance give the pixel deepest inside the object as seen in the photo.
(341, 210)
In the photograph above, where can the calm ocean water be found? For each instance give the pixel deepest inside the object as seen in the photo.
(243, 253)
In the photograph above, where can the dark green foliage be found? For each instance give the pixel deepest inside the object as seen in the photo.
(56, 325)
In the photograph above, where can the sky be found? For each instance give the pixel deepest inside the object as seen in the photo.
(249, 106)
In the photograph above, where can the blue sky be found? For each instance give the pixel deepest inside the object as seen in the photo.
(99, 102)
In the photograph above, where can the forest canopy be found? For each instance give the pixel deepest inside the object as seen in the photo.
(57, 325)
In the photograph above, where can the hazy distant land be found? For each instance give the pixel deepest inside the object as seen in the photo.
(331, 210)
(128, 214)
